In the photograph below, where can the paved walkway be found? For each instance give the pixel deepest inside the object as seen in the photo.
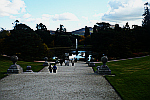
(69, 83)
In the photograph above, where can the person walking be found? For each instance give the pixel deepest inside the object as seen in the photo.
(50, 68)
(54, 68)
(61, 61)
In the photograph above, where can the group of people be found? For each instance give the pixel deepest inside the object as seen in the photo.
(54, 68)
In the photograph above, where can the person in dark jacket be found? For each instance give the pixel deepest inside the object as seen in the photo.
(50, 68)
(54, 69)
(61, 61)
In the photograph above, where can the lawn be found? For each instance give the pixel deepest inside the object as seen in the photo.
(132, 78)
(5, 63)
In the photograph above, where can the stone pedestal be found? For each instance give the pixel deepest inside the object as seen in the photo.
(29, 69)
(103, 70)
(46, 63)
(15, 69)
(91, 64)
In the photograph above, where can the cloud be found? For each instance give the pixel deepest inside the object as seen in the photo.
(12, 17)
(65, 17)
(93, 21)
(98, 15)
(79, 24)
(115, 4)
(46, 16)
(86, 18)
(124, 10)
(26, 15)
(9, 7)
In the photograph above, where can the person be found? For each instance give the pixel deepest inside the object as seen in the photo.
(72, 63)
(54, 68)
(65, 62)
(61, 61)
(50, 68)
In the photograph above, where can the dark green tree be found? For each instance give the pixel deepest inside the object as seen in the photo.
(41, 27)
(46, 37)
(63, 41)
(146, 20)
(24, 43)
(27, 46)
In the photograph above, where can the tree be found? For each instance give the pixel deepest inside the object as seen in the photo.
(82, 40)
(146, 20)
(46, 37)
(63, 40)
(3, 35)
(24, 43)
(27, 46)
(41, 27)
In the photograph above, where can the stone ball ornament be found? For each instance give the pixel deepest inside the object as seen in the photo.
(14, 69)
(104, 59)
(46, 58)
(14, 59)
(104, 69)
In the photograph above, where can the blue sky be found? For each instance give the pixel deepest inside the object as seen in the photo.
(73, 14)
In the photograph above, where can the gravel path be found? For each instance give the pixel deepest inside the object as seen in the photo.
(69, 83)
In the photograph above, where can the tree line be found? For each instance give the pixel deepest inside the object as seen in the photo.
(31, 45)
(121, 43)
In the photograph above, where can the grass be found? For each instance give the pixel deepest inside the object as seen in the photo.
(5, 63)
(132, 78)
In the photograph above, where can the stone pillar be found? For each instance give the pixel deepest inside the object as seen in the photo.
(14, 69)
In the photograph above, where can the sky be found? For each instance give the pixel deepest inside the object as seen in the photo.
(73, 14)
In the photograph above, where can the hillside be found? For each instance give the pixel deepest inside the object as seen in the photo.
(81, 31)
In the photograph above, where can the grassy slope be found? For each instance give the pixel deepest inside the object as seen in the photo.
(5, 63)
(132, 80)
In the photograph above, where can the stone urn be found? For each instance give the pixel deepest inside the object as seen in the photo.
(104, 69)
(46, 58)
(14, 59)
(46, 63)
(14, 69)
(104, 59)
